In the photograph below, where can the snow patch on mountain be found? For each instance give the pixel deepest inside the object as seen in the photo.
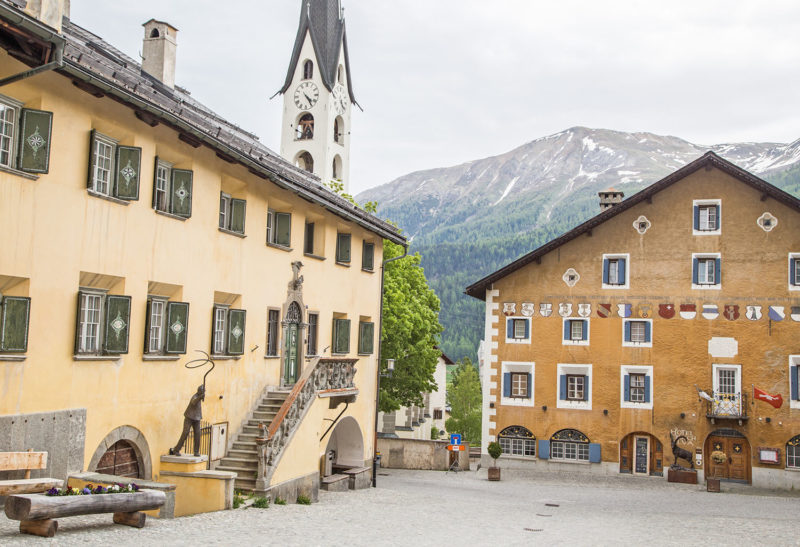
(507, 190)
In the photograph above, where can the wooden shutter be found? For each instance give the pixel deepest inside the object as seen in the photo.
(594, 453)
(341, 334)
(584, 330)
(236, 326)
(180, 199)
(14, 324)
(626, 394)
(238, 212)
(509, 328)
(343, 248)
(308, 247)
(621, 270)
(586, 388)
(147, 311)
(794, 381)
(567, 333)
(34, 146)
(506, 384)
(283, 229)
(606, 264)
(544, 449)
(527, 328)
(627, 328)
(270, 224)
(126, 172)
(92, 158)
(694, 270)
(718, 271)
(529, 378)
(646, 388)
(717, 221)
(155, 177)
(368, 256)
(177, 327)
(792, 271)
(696, 217)
(366, 337)
(77, 347)
(117, 324)
(562, 387)
(648, 332)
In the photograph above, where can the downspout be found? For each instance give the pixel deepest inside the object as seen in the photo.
(55, 39)
(378, 380)
(58, 63)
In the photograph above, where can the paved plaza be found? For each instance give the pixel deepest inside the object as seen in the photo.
(437, 508)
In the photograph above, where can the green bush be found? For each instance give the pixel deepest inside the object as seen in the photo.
(494, 450)
(434, 433)
(280, 501)
(238, 500)
(261, 503)
(303, 500)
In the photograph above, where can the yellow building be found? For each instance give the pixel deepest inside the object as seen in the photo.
(661, 318)
(138, 228)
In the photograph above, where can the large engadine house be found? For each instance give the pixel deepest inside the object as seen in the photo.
(674, 314)
(137, 227)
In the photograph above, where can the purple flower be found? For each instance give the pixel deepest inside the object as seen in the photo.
(86, 491)
(135, 487)
(52, 492)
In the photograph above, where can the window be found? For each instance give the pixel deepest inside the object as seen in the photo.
(342, 248)
(517, 383)
(707, 217)
(366, 337)
(727, 396)
(172, 189)
(341, 336)
(518, 330)
(308, 244)
(305, 161)
(368, 256)
(228, 331)
(15, 314)
(794, 381)
(166, 328)
(706, 271)
(113, 168)
(794, 271)
(338, 130)
(308, 70)
(576, 332)
(574, 386)
(637, 333)
(313, 329)
(273, 326)
(637, 394)
(615, 271)
(8, 123)
(437, 414)
(305, 128)
(279, 228)
(636, 387)
(24, 137)
(517, 441)
(103, 323)
(232, 213)
(571, 445)
(793, 453)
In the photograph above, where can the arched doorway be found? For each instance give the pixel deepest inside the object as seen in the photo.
(727, 456)
(345, 448)
(125, 452)
(120, 459)
(291, 350)
(641, 454)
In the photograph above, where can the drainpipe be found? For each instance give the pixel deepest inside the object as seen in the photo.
(378, 380)
(58, 63)
(41, 31)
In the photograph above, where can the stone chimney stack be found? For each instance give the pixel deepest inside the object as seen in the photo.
(609, 198)
(48, 12)
(159, 48)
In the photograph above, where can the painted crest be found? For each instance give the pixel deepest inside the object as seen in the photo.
(584, 310)
(528, 309)
(624, 310)
(667, 311)
(545, 309)
(731, 312)
(688, 311)
(753, 313)
(509, 308)
(795, 313)
(604, 310)
(777, 313)
(645, 310)
(710, 311)
(565, 309)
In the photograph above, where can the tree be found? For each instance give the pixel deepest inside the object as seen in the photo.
(464, 398)
(410, 331)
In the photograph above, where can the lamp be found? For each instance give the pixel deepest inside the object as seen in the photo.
(389, 369)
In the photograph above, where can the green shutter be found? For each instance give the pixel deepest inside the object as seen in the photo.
(283, 229)
(180, 199)
(14, 324)
(92, 148)
(155, 176)
(126, 172)
(343, 248)
(147, 311)
(77, 346)
(308, 247)
(341, 336)
(366, 337)
(236, 324)
(368, 256)
(34, 146)
(117, 324)
(238, 211)
(177, 327)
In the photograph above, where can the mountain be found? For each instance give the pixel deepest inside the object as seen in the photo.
(471, 219)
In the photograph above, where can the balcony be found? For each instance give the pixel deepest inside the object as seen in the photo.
(727, 406)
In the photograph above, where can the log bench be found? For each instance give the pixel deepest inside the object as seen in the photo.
(37, 512)
(18, 461)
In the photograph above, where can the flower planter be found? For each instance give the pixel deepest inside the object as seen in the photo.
(494, 473)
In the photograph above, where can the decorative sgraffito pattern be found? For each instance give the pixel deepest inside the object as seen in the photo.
(767, 222)
(642, 224)
(571, 277)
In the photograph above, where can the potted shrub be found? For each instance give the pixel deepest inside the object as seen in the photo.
(494, 451)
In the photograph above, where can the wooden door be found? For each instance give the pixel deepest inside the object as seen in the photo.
(290, 364)
(738, 459)
(728, 458)
(119, 460)
(641, 456)
(625, 451)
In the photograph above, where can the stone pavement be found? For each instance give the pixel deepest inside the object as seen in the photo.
(434, 508)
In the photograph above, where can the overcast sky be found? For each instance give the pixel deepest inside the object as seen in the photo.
(448, 81)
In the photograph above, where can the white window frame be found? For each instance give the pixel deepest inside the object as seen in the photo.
(567, 369)
(626, 370)
(16, 107)
(523, 368)
(514, 340)
(726, 366)
(84, 335)
(796, 457)
(707, 203)
(705, 286)
(225, 201)
(514, 442)
(617, 256)
(794, 360)
(167, 167)
(111, 144)
(157, 330)
(576, 342)
(220, 326)
(632, 344)
(564, 447)
(792, 256)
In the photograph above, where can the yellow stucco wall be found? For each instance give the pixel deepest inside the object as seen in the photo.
(52, 230)
(754, 272)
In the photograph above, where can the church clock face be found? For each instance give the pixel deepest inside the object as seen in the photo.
(306, 95)
(340, 101)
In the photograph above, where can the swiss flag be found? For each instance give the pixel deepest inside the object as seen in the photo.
(761, 395)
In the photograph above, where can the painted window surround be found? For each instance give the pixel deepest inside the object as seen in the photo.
(715, 377)
(570, 369)
(637, 344)
(518, 340)
(525, 368)
(635, 369)
(587, 326)
(789, 268)
(705, 202)
(794, 361)
(706, 287)
(627, 258)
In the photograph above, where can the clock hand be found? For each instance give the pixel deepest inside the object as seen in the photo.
(307, 98)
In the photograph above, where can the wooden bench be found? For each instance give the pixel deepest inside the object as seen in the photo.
(360, 477)
(17, 461)
(336, 483)
(37, 512)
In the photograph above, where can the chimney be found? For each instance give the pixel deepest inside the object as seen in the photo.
(48, 12)
(158, 51)
(609, 198)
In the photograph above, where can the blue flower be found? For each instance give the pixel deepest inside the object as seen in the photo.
(86, 491)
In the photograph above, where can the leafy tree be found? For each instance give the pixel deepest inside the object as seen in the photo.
(464, 398)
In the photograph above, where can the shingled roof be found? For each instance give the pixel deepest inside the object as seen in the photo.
(707, 161)
(323, 20)
(97, 67)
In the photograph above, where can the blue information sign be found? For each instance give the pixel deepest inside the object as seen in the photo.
(455, 438)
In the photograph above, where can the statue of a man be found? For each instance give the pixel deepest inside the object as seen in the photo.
(191, 420)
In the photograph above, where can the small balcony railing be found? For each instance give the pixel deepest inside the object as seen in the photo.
(727, 406)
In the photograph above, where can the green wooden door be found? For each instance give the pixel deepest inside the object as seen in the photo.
(290, 369)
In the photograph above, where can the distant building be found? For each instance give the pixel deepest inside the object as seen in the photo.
(674, 314)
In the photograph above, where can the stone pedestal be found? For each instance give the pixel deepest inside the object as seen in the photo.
(682, 476)
(198, 490)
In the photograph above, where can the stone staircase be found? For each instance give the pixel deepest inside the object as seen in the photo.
(242, 458)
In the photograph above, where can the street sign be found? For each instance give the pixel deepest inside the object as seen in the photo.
(456, 447)
(455, 438)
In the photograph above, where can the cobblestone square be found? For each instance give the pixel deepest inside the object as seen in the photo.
(433, 508)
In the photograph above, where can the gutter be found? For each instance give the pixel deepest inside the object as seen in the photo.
(41, 31)
(378, 379)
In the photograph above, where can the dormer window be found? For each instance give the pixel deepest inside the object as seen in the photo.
(308, 70)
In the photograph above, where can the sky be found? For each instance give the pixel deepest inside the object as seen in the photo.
(443, 82)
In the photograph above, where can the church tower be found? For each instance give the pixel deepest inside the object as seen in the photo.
(318, 94)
